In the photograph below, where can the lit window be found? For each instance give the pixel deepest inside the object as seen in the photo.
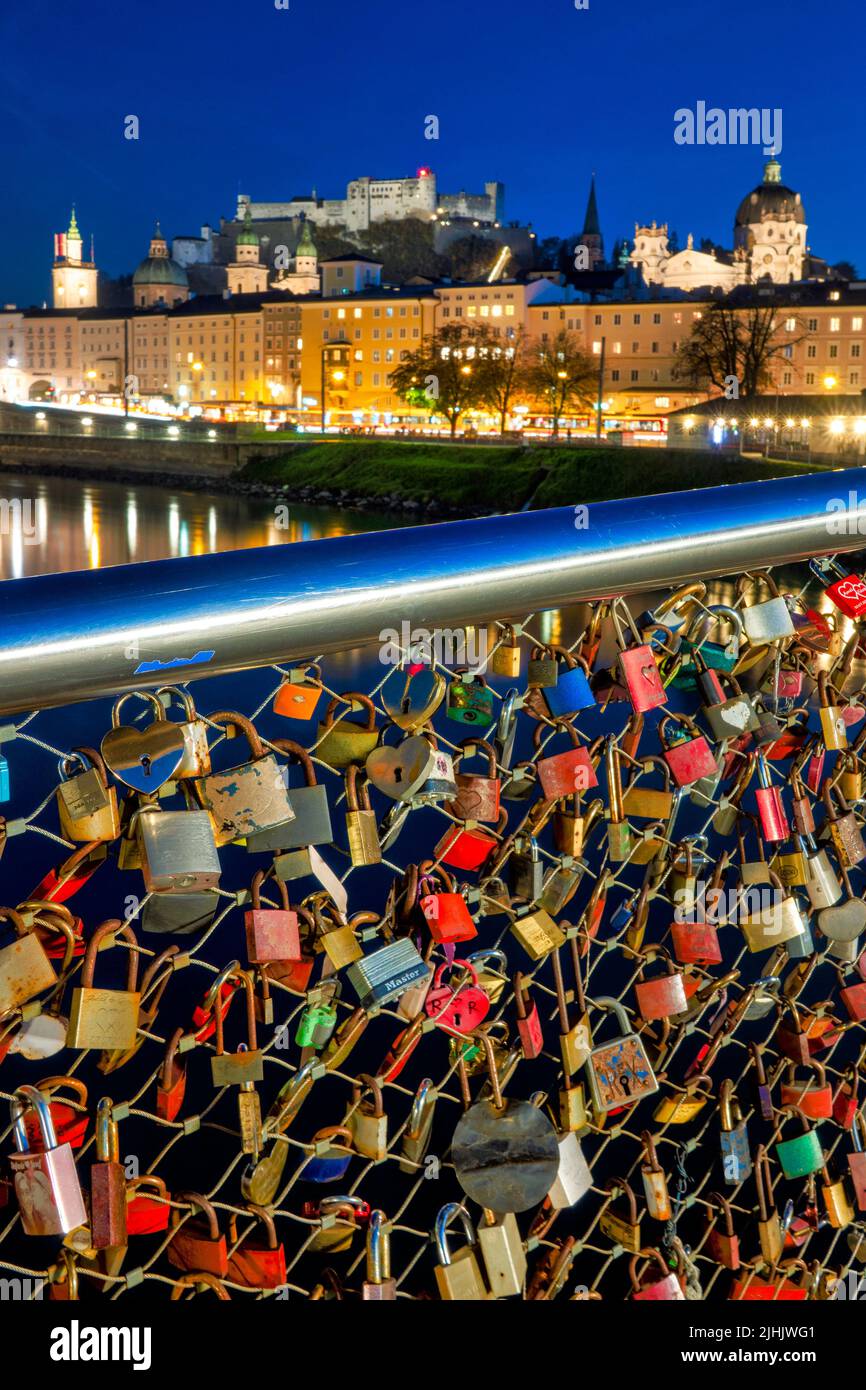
(341, 313)
(790, 325)
(857, 324)
(356, 313)
(509, 311)
(834, 325)
(596, 347)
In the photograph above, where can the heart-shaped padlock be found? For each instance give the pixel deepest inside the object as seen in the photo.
(458, 1008)
(143, 758)
(414, 769)
(410, 697)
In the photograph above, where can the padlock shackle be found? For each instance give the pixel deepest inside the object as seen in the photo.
(440, 1229)
(244, 725)
(118, 929)
(21, 1098)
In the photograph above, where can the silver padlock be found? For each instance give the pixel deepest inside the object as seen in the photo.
(178, 850)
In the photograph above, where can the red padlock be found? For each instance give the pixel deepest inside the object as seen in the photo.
(70, 1125)
(849, 595)
(691, 759)
(446, 913)
(857, 1161)
(563, 774)
(771, 808)
(854, 999)
(456, 1009)
(171, 1083)
(64, 881)
(146, 1215)
(813, 1101)
(662, 997)
(696, 943)
(198, 1244)
(467, 849)
(272, 933)
(528, 1021)
(252, 1264)
(637, 665)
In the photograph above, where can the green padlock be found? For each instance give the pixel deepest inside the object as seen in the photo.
(801, 1156)
(470, 701)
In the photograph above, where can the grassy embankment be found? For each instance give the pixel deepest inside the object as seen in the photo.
(501, 477)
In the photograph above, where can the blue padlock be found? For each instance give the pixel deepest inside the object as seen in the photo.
(5, 789)
(572, 691)
(333, 1163)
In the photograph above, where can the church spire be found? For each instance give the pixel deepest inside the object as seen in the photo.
(73, 234)
(591, 225)
(772, 170)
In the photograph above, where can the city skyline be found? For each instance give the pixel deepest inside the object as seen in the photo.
(214, 122)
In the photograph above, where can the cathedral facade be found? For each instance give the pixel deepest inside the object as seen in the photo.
(769, 245)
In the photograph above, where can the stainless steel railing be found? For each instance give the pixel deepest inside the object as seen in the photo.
(77, 636)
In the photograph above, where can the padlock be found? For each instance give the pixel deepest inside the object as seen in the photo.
(272, 933)
(619, 1071)
(363, 836)
(252, 1264)
(843, 921)
(664, 1289)
(723, 1245)
(800, 1156)
(232, 1068)
(526, 870)
(107, 1183)
(344, 741)
(46, 1183)
(689, 1100)
(840, 1212)
(561, 774)
(857, 1161)
(197, 1244)
(528, 1021)
(640, 802)
(196, 757)
(469, 700)
(106, 1018)
(572, 691)
(537, 933)
(419, 1127)
(177, 850)
(769, 1226)
(147, 1215)
(417, 771)
(655, 1184)
(620, 838)
(717, 656)
(171, 1082)
(502, 1252)
(624, 1231)
(248, 798)
(847, 591)
(542, 671)
(833, 730)
(25, 969)
(771, 809)
(311, 823)
(769, 621)
(822, 883)
(734, 714)
(575, 1040)
(736, 1159)
(86, 804)
(637, 665)
(777, 921)
(367, 1119)
(331, 1157)
(456, 1008)
(689, 759)
(379, 1285)
(387, 973)
(569, 826)
(725, 818)
(505, 660)
(846, 1099)
(664, 996)
(458, 1276)
(477, 797)
(143, 759)
(445, 911)
(813, 1099)
(298, 696)
(842, 828)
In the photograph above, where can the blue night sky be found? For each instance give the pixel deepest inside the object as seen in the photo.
(247, 97)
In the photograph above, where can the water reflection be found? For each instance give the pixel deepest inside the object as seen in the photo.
(52, 525)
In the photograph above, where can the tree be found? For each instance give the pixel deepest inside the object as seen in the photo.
(445, 368)
(502, 367)
(473, 257)
(845, 270)
(560, 374)
(733, 350)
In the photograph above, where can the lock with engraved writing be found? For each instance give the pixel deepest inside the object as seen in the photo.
(46, 1183)
(86, 803)
(106, 1018)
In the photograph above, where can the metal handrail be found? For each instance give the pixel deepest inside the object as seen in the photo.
(70, 637)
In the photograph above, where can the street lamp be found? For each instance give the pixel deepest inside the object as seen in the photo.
(338, 375)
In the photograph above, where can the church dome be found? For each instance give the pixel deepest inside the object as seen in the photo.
(247, 236)
(772, 198)
(160, 270)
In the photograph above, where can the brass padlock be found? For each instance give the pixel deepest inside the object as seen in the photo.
(105, 1018)
(86, 804)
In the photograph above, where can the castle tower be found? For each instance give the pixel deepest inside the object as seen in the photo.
(246, 274)
(591, 236)
(73, 280)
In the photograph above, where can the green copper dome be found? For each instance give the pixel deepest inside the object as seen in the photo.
(306, 246)
(160, 270)
(247, 237)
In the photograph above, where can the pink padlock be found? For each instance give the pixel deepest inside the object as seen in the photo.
(668, 1289)
(771, 809)
(691, 759)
